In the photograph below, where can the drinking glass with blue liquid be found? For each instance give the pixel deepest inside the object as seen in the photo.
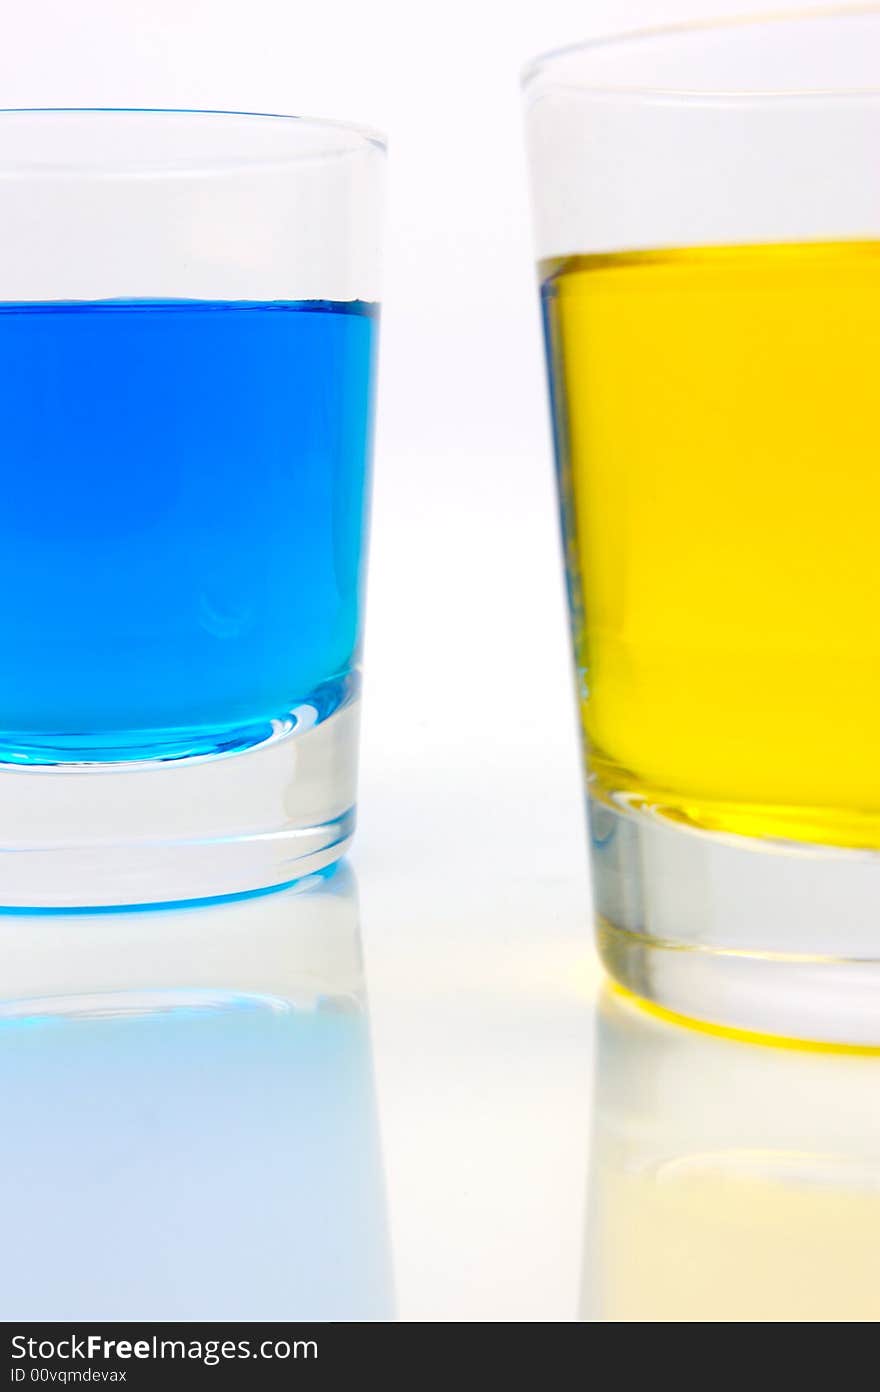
(188, 328)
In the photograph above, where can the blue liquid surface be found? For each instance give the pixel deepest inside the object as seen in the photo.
(184, 494)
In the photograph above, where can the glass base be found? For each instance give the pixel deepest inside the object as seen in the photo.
(156, 831)
(768, 937)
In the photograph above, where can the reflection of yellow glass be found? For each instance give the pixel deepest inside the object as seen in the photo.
(718, 415)
(730, 1181)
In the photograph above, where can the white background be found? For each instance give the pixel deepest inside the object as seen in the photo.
(470, 852)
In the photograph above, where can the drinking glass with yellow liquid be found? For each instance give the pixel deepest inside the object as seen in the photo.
(707, 205)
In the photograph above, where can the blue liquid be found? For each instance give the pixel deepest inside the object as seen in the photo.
(183, 518)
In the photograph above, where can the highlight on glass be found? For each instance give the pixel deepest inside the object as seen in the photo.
(707, 208)
(188, 315)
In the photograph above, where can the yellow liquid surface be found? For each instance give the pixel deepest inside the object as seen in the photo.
(717, 415)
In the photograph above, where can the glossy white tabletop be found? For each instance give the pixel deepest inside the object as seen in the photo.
(402, 1093)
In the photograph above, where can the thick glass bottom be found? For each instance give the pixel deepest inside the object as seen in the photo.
(167, 831)
(769, 937)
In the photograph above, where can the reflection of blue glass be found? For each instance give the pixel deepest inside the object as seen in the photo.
(201, 1164)
(175, 1148)
(183, 492)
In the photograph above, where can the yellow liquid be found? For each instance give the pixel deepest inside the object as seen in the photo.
(717, 415)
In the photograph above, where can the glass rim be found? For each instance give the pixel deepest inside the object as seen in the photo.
(545, 63)
(354, 137)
